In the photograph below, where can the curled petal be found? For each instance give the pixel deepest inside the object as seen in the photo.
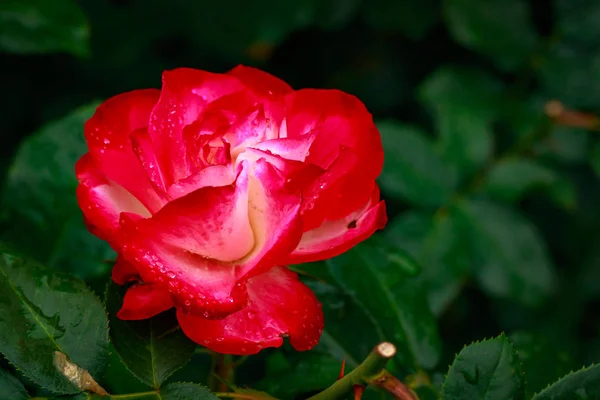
(335, 237)
(144, 151)
(143, 301)
(107, 135)
(214, 175)
(296, 148)
(279, 305)
(102, 201)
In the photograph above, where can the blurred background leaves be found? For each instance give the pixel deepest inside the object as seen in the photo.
(488, 115)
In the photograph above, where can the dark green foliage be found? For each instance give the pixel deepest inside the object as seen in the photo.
(151, 349)
(493, 206)
(43, 312)
(485, 370)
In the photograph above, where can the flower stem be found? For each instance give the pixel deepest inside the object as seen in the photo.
(222, 372)
(370, 372)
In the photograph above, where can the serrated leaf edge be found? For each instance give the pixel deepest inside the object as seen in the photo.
(569, 374)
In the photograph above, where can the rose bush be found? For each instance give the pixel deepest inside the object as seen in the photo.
(210, 187)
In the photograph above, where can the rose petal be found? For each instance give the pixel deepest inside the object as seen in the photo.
(101, 201)
(260, 82)
(214, 176)
(347, 146)
(335, 237)
(167, 247)
(296, 148)
(279, 304)
(107, 135)
(211, 223)
(144, 151)
(124, 272)
(144, 301)
(185, 94)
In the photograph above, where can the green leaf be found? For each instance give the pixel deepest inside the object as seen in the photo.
(501, 31)
(510, 257)
(43, 26)
(595, 159)
(442, 251)
(172, 391)
(318, 371)
(412, 19)
(11, 388)
(581, 385)
(464, 102)
(42, 312)
(511, 178)
(117, 378)
(570, 69)
(335, 14)
(350, 333)
(186, 391)
(485, 370)
(412, 169)
(566, 145)
(543, 361)
(398, 305)
(238, 26)
(40, 213)
(151, 349)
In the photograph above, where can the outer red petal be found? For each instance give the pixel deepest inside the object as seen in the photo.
(124, 272)
(335, 237)
(107, 134)
(185, 94)
(171, 247)
(260, 82)
(144, 301)
(347, 145)
(102, 201)
(279, 304)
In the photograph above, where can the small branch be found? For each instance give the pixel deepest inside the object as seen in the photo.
(392, 385)
(561, 115)
(370, 372)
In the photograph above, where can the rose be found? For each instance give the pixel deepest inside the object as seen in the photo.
(208, 188)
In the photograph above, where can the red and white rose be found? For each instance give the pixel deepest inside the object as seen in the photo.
(209, 188)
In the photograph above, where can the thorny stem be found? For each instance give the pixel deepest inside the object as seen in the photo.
(370, 372)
